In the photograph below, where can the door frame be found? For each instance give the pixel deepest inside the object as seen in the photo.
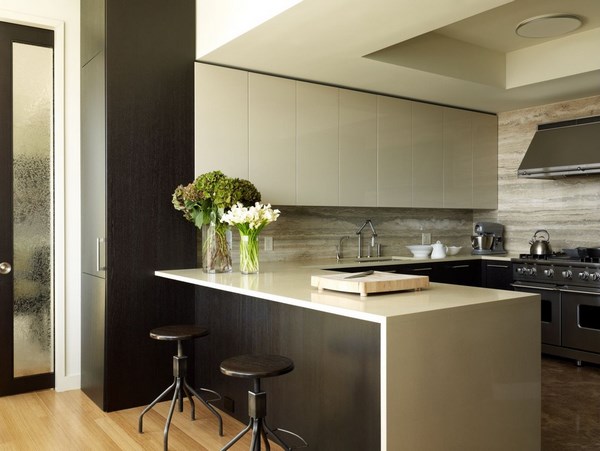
(63, 381)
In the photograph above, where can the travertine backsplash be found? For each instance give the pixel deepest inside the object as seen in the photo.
(568, 208)
(314, 232)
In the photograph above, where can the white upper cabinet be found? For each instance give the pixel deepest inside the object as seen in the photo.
(358, 149)
(428, 155)
(221, 123)
(485, 161)
(458, 158)
(394, 152)
(317, 151)
(308, 144)
(272, 137)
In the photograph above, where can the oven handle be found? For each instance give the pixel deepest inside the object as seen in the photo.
(570, 290)
(518, 285)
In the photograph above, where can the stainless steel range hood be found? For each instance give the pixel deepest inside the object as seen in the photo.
(563, 149)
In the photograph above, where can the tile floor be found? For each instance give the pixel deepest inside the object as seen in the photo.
(570, 405)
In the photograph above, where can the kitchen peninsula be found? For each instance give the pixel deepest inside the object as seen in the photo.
(449, 367)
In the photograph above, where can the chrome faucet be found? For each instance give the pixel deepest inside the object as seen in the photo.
(339, 254)
(373, 236)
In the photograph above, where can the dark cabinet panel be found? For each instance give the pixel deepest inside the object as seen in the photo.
(467, 272)
(497, 274)
(137, 146)
(422, 269)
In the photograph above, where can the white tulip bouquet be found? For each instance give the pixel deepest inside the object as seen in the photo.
(249, 222)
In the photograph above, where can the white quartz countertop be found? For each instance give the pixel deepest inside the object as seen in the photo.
(289, 283)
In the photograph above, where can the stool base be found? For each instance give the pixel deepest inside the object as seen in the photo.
(258, 425)
(257, 410)
(181, 387)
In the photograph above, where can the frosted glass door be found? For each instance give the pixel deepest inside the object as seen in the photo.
(27, 211)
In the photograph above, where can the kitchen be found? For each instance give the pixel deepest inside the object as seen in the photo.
(566, 207)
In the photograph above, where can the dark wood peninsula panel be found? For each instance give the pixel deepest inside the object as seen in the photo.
(331, 398)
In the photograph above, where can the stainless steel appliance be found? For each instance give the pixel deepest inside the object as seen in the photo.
(488, 238)
(570, 308)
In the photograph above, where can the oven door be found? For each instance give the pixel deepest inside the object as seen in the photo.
(581, 319)
(550, 310)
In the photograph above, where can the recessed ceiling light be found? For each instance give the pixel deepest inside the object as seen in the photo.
(548, 25)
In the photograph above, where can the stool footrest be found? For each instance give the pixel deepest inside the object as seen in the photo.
(218, 396)
(293, 434)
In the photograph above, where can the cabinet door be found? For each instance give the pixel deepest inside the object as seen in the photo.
(461, 273)
(428, 155)
(317, 147)
(93, 167)
(221, 103)
(92, 29)
(394, 152)
(458, 159)
(93, 310)
(272, 137)
(422, 269)
(358, 149)
(497, 274)
(485, 161)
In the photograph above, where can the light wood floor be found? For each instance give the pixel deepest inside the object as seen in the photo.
(66, 421)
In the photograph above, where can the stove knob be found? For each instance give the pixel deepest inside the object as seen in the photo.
(549, 272)
(567, 274)
(584, 275)
(530, 271)
(520, 270)
(596, 276)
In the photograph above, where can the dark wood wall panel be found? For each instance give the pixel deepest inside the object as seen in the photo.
(149, 50)
(332, 398)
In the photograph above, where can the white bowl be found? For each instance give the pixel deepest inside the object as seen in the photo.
(420, 250)
(453, 250)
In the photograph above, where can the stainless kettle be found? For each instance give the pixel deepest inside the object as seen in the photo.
(540, 244)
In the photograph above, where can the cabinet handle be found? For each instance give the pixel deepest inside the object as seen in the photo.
(99, 266)
(422, 269)
(498, 266)
(460, 266)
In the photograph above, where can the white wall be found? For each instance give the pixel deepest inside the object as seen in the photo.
(63, 17)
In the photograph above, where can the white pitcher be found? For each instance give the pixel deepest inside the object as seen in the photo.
(439, 250)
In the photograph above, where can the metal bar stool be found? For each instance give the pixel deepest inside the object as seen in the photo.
(179, 333)
(256, 367)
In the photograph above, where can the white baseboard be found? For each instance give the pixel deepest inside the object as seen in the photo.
(67, 383)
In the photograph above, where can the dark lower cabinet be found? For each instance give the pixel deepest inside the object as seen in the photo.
(497, 274)
(476, 273)
(467, 272)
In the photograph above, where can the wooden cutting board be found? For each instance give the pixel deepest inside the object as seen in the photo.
(378, 282)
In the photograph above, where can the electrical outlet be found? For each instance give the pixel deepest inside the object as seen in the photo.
(425, 238)
(268, 243)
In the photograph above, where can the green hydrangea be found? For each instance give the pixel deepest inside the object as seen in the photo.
(210, 194)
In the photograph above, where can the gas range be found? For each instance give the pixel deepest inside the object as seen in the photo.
(557, 270)
(569, 290)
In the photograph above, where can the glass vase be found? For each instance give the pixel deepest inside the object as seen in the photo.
(216, 248)
(248, 254)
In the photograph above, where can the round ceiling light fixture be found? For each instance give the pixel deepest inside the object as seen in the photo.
(548, 25)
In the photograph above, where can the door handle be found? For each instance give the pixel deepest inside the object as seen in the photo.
(5, 268)
(99, 265)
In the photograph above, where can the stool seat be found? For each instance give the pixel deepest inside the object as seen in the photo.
(180, 386)
(178, 332)
(252, 366)
(255, 367)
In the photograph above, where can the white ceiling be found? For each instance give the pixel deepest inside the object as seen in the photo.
(454, 52)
